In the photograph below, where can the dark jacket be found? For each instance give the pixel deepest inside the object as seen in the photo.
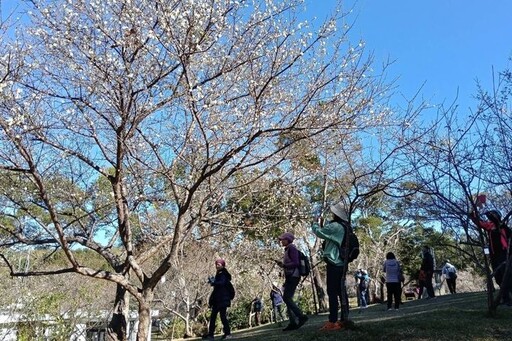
(427, 264)
(220, 297)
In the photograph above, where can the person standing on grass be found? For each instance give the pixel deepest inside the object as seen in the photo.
(363, 286)
(290, 265)
(220, 300)
(332, 233)
(427, 267)
(498, 235)
(257, 306)
(276, 297)
(450, 273)
(393, 287)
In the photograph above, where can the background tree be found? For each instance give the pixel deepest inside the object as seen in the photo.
(454, 163)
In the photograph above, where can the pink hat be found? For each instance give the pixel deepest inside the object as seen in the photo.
(288, 236)
(220, 261)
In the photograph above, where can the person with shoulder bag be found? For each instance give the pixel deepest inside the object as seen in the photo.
(333, 234)
(290, 265)
(450, 273)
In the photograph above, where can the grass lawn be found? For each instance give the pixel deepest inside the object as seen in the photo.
(449, 317)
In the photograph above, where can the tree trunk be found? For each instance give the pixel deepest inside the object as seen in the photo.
(320, 291)
(490, 297)
(116, 330)
(144, 328)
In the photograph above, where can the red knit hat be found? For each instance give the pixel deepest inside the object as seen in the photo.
(221, 262)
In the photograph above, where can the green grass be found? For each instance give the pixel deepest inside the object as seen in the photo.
(449, 317)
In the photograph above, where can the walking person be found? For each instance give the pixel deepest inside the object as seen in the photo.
(220, 300)
(290, 265)
(257, 306)
(332, 233)
(393, 272)
(363, 286)
(427, 272)
(276, 297)
(450, 273)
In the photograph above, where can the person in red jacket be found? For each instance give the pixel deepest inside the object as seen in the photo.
(498, 236)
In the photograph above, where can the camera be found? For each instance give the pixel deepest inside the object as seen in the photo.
(211, 279)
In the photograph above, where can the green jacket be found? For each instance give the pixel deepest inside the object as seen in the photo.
(333, 234)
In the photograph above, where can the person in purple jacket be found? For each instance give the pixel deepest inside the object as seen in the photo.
(290, 265)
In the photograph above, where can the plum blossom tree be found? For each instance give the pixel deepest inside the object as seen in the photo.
(125, 121)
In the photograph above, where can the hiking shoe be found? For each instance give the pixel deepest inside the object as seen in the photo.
(341, 324)
(224, 337)
(290, 327)
(331, 326)
(303, 319)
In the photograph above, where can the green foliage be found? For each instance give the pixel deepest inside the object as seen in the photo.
(239, 315)
(46, 312)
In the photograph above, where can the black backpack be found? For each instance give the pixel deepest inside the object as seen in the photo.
(304, 266)
(353, 245)
(231, 290)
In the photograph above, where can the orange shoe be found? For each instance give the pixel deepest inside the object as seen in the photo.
(331, 326)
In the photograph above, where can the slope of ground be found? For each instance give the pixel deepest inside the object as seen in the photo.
(450, 317)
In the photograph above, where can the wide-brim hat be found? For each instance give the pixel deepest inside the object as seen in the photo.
(340, 211)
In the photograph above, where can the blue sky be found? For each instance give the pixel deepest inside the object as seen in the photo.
(446, 44)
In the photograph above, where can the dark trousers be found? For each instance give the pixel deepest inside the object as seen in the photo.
(290, 285)
(427, 283)
(394, 292)
(451, 282)
(294, 312)
(223, 318)
(498, 267)
(505, 283)
(337, 293)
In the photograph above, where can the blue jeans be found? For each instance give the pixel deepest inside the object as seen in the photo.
(363, 294)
